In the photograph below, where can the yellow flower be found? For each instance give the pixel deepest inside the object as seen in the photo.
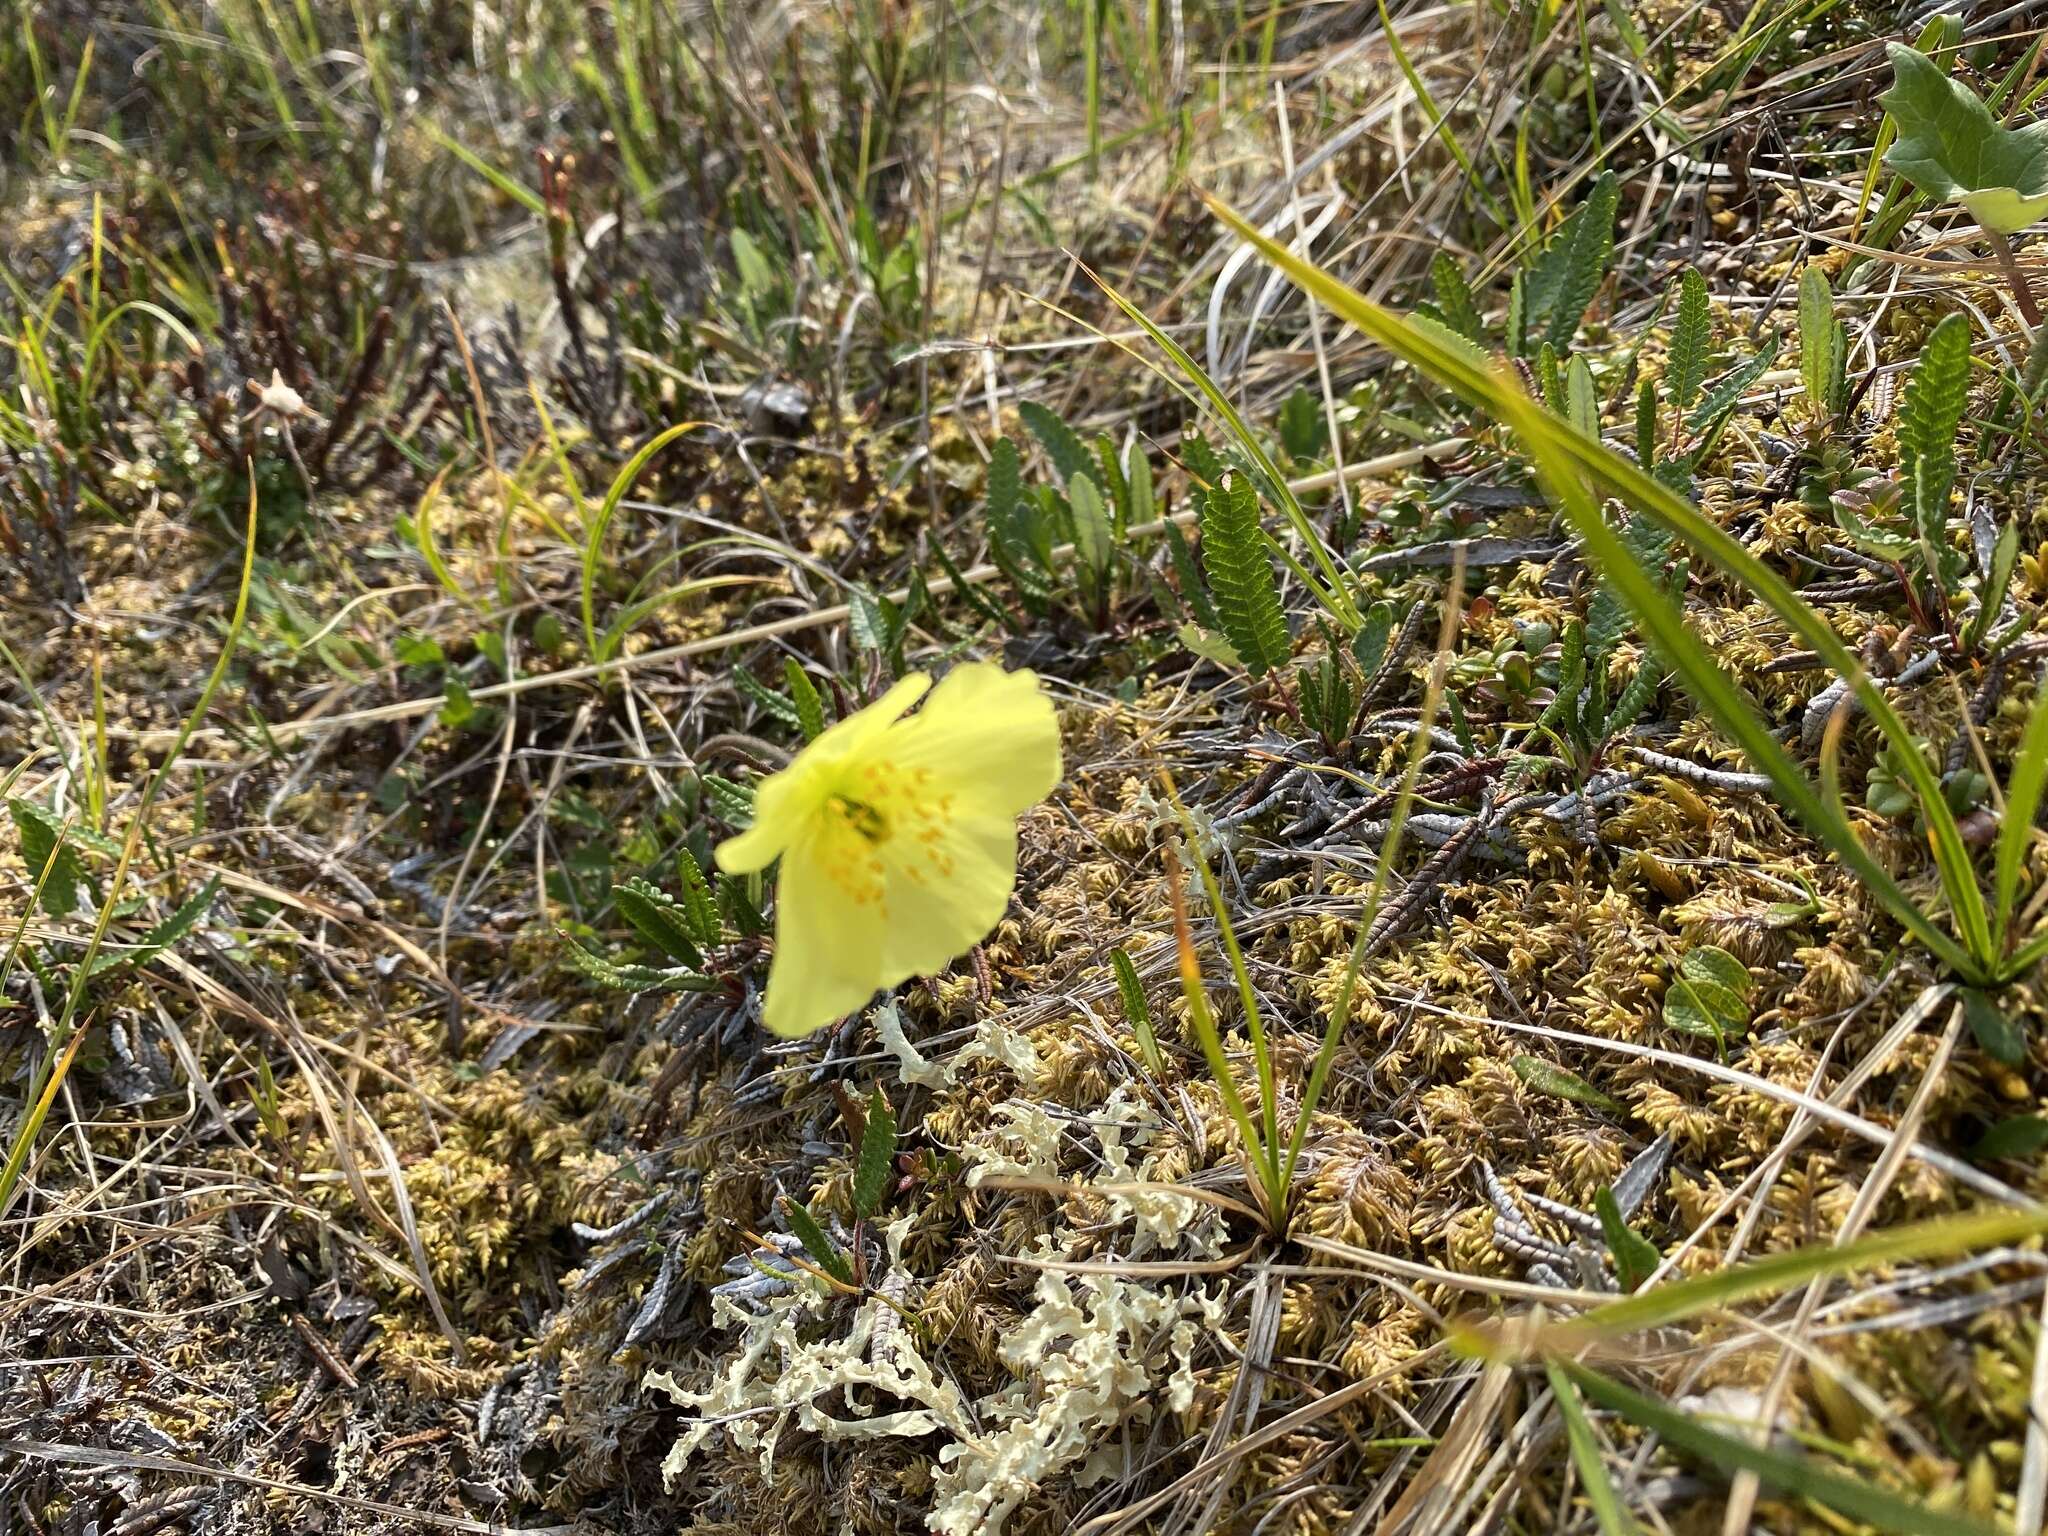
(898, 838)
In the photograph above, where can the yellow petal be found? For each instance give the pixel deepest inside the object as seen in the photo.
(989, 736)
(945, 894)
(786, 801)
(828, 946)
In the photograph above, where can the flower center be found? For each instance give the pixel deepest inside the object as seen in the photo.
(861, 817)
(899, 828)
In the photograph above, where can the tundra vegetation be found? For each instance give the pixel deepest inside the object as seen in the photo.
(1102, 766)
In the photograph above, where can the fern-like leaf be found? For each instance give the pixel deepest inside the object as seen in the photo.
(877, 1156)
(810, 709)
(164, 934)
(1454, 299)
(1069, 455)
(1686, 370)
(1821, 345)
(1930, 413)
(659, 919)
(1241, 576)
(1565, 277)
(700, 908)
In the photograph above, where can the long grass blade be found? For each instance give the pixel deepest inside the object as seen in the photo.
(1571, 455)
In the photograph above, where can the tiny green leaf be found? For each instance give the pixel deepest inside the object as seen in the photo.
(1999, 1036)
(1546, 1077)
(1635, 1256)
(2020, 1136)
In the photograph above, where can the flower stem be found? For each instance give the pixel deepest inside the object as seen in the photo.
(2015, 276)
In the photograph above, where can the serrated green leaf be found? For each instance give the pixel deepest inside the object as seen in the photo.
(875, 622)
(1194, 591)
(1646, 424)
(876, 1163)
(1240, 574)
(1094, 544)
(1369, 645)
(1691, 334)
(700, 909)
(1930, 413)
(1581, 400)
(1201, 458)
(1454, 298)
(1139, 476)
(164, 934)
(764, 698)
(46, 845)
(1546, 1077)
(823, 1251)
(731, 803)
(810, 708)
(1820, 338)
(631, 978)
(1108, 475)
(1304, 429)
(1063, 447)
(1562, 281)
(1137, 1012)
(738, 906)
(1720, 401)
(659, 919)
(1951, 147)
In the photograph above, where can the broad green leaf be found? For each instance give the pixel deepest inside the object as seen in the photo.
(1997, 1033)
(1951, 147)
(1711, 963)
(2019, 1136)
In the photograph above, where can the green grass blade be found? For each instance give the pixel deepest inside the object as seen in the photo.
(1570, 455)
(2022, 805)
(1586, 1456)
(1335, 596)
(593, 535)
(1856, 1497)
